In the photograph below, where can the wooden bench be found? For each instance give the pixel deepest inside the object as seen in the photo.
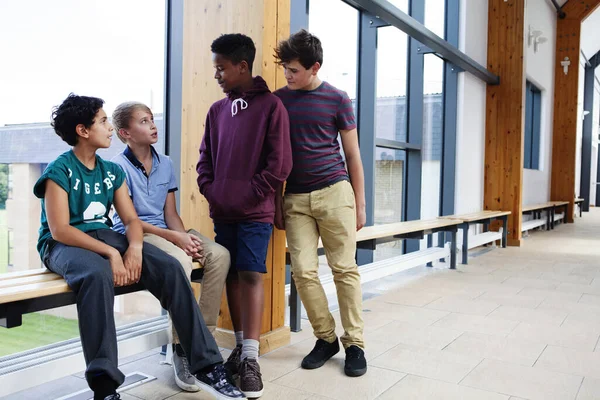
(551, 216)
(579, 202)
(481, 217)
(40, 289)
(369, 237)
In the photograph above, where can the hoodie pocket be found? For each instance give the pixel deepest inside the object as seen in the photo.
(232, 198)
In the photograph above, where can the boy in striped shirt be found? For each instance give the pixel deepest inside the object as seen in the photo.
(323, 199)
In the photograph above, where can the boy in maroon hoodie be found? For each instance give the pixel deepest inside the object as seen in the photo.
(245, 157)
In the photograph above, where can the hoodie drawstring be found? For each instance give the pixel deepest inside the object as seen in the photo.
(234, 106)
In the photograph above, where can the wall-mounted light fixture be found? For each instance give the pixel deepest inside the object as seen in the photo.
(585, 112)
(538, 40)
(532, 36)
(565, 64)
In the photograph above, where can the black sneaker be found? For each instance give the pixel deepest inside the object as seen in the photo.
(216, 382)
(114, 396)
(356, 363)
(251, 379)
(233, 362)
(322, 352)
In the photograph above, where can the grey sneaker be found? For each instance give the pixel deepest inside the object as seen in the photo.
(183, 377)
(233, 362)
(250, 378)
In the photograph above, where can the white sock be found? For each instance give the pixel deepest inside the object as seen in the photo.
(239, 338)
(250, 349)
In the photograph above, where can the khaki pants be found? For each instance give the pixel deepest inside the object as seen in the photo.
(331, 214)
(216, 268)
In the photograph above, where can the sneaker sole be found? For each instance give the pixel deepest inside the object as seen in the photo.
(184, 386)
(254, 395)
(355, 372)
(219, 396)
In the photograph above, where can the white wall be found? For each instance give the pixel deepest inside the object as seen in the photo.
(578, 148)
(595, 133)
(470, 135)
(539, 69)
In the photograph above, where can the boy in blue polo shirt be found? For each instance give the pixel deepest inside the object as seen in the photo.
(152, 187)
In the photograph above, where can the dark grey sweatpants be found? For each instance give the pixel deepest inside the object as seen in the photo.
(90, 276)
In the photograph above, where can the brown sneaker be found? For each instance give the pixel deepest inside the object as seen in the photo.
(233, 362)
(250, 378)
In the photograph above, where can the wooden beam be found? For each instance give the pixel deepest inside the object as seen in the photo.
(266, 22)
(580, 9)
(503, 177)
(564, 135)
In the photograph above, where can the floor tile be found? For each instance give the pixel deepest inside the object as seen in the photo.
(431, 363)
(545, 316)
(428, 336)
(526, 382)
(330, 381)
(478, 324)
(414, 315)
(578, 337)
(419, 388)
(463, 306)
(590, 389)
(570, 361)
(517, 351)
(514, 300)
(415, 298)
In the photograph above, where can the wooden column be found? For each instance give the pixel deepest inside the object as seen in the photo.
(503, 178)
(266, 22)
(564, 137)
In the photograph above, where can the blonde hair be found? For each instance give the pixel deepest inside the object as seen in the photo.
(123, 114)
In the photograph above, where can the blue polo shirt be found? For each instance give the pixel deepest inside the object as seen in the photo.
(148, 191)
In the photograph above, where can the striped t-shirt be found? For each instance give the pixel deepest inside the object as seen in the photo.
(316, 117)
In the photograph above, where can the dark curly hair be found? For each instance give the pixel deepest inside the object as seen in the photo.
(73, 111)
(235, 47)
(301, 46)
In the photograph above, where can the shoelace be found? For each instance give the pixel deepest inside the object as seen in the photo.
(234, 106)
(353, 354)
(247, 367)
(321, 347)
(186, 368)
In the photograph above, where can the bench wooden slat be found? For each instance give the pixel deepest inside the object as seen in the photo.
(541, 206)
(33, 290)
(398, 228)
(23, 274)
(25, 285)
(29, 279)
(476, 216)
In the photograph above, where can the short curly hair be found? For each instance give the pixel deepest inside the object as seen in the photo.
(73, 111)
(236, 47)
(302, 46)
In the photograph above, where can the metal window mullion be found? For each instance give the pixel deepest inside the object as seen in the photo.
(414, 167)
(450, 104)
(366, 111)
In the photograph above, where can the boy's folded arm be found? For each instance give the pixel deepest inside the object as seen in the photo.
(279, 159)
(56, 202)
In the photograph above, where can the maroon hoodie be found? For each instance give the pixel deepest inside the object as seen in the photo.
(245, 155)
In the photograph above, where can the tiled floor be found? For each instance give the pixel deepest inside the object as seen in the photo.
(516, 323)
